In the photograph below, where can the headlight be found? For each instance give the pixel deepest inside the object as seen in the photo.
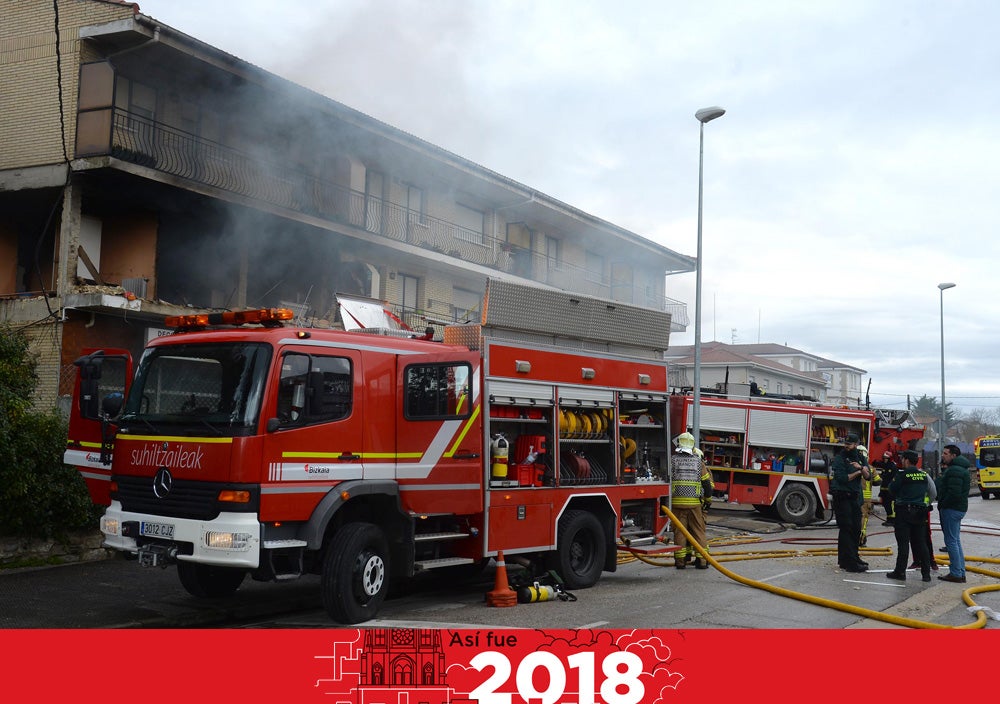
(227, 541)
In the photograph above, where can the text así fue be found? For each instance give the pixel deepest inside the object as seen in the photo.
(472, 640)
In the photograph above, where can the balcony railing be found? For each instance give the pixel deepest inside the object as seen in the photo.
(146, 142)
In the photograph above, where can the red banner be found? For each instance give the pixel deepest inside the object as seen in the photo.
(490, 666)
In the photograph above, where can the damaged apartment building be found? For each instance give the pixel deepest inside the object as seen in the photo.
(144, 173)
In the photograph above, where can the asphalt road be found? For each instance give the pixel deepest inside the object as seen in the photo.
(116, 593)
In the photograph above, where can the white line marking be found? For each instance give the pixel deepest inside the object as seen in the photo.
(778, 576)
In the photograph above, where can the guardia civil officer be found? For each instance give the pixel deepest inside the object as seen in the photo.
(909, 487)
(845, 486)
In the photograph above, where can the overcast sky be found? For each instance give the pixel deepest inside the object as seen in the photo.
(857, 165)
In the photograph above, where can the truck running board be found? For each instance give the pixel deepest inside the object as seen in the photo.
(280, 544)
(442, 562)
(420, 537)
(284, 558)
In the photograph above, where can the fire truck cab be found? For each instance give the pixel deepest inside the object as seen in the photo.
(245, 447)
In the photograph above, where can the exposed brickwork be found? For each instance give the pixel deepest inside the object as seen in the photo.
(30, 128)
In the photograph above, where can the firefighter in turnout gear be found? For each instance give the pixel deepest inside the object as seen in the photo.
(690, 484)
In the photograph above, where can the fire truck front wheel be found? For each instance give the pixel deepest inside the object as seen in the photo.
(209, 581)
(579, 558)
(796, 504)
(355, 577)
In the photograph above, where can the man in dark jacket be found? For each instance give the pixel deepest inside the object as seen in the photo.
(909, 486)
(849, 469)
(953, 502)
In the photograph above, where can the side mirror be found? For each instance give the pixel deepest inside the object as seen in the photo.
(90, 374)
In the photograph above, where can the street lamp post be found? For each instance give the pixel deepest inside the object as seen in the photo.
(944, 411)
(704, 115)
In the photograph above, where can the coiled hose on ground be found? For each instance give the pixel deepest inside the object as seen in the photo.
(715, 561)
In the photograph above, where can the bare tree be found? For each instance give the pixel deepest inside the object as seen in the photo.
(978, 422)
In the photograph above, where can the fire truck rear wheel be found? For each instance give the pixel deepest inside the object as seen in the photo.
(355, 577)
(579, 559)
(796, 504)
(209, 581)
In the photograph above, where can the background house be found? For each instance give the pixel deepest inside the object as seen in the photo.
(775, 369)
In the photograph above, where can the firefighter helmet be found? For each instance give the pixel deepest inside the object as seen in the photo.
(685, 443)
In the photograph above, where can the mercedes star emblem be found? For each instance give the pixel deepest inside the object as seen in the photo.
(163, 482)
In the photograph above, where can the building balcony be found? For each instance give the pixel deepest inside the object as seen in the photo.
(145, 142)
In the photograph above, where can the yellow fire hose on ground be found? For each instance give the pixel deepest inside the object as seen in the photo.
(715, 562)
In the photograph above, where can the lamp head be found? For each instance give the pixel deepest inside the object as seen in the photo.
(708, 114)
(945, 286)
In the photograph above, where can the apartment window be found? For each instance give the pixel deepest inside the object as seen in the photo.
(595, 266)
(465, 304)
(471, 223)
(415, 205)
(779, 385)
(409, 297)
(135, 97)
(138, 102)
(552, 251)
(374, 191)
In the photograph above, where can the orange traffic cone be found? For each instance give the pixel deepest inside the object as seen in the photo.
(502, 594)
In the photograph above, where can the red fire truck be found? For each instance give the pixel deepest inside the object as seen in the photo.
(247, 447)
(776, 454)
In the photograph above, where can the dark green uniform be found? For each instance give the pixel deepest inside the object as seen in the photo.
(909, 488)
(847, 508)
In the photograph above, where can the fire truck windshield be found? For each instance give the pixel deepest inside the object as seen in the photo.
(210, 389)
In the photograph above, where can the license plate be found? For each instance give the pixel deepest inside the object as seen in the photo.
(156, 530)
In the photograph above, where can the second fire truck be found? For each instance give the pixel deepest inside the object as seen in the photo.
(776, 455)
